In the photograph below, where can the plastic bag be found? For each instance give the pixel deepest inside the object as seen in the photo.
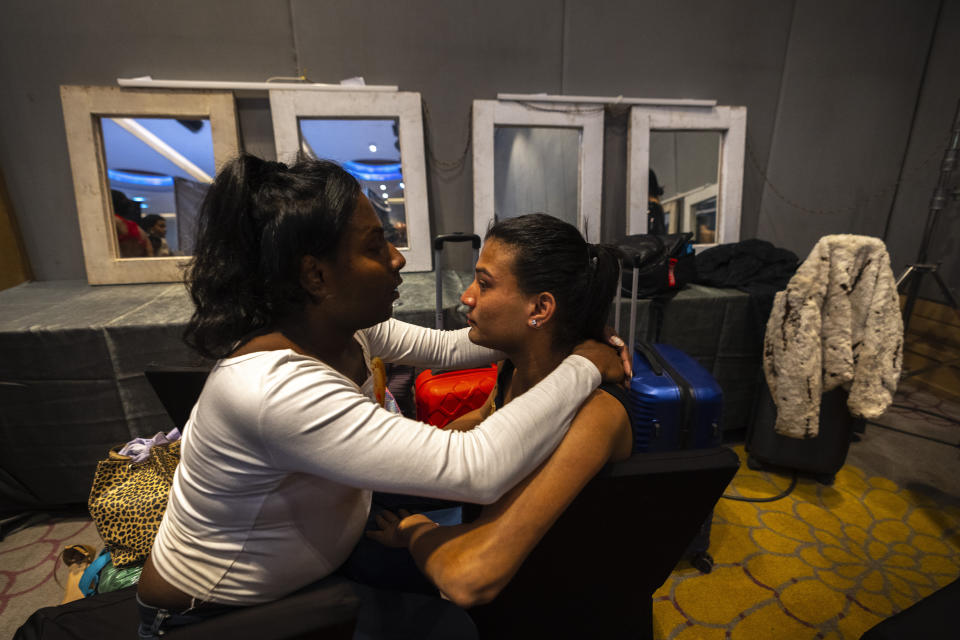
(113, 577)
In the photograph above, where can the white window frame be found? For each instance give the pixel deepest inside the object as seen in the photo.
(694, 196)
(730, 122)
(83, 107)
(487, 114)
(288, 106)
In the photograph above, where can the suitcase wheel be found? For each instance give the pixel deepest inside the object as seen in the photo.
(826, 478)
(702, 562)
(754, 464)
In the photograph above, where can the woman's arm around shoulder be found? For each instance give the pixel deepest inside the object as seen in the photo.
(315, 420)
(472, 563)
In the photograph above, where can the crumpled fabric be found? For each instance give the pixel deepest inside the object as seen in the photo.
(754, 266)
(139, 448)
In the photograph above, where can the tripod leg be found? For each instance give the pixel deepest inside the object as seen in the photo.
(912, 290)
(947, 294)
(906, 274)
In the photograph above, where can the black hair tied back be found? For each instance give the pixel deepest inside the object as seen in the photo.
(604, 272)
(551, 255)
(258, 219)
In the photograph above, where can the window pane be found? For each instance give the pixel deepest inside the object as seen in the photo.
(537, 169)
(370, 151)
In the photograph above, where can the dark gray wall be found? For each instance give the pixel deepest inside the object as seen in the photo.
(933, 122)
(831, 89)
(849, 87)
(732, 52)
(48, 43)
(452, 53)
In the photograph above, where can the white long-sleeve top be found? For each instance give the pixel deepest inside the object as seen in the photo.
(281, 454)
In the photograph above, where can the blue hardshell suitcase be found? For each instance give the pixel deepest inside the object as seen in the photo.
(676, 403)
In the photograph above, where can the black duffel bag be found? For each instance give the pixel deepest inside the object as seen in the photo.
(664, 264)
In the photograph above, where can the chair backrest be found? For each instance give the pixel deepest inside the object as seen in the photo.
(178, 389)
(595, 571)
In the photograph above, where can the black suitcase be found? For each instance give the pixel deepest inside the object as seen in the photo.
(662, 264)
(822, 456)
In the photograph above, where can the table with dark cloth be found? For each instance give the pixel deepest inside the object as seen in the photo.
(722, 329)
(72, 358)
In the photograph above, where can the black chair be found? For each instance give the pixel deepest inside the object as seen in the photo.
(177, 388)
(594, 574)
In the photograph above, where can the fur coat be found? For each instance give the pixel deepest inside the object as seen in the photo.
(837, 323)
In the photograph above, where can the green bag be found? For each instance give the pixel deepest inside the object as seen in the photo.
(113, 577)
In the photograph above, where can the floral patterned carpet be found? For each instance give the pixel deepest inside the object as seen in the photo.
(30, 576)
(823, 563)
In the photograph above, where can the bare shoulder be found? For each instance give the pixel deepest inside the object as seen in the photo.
(606, 420)
(601, 408)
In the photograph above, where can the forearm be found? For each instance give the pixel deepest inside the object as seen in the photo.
(455, 559)
(465, 422)
(405, 343)
(471, 419)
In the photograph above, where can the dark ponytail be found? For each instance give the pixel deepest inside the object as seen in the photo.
(551, 255)
(257, 221)
(604, 279)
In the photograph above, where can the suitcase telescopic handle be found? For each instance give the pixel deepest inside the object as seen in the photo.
(458, 236)
(626, 263)
(438, 243)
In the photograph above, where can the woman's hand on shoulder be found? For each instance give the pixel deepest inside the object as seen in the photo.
(604, 357)
(620, 346)
(397, 530)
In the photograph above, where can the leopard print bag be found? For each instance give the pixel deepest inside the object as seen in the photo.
(127, 501)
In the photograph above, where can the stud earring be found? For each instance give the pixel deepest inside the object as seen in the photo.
(533, 322)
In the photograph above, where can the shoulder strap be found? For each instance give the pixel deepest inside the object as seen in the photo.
(503, 381)
(622, 396)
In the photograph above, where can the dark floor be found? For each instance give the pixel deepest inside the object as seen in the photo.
(915, 444)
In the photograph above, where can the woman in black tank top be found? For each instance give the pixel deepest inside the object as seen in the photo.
(539, 289)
